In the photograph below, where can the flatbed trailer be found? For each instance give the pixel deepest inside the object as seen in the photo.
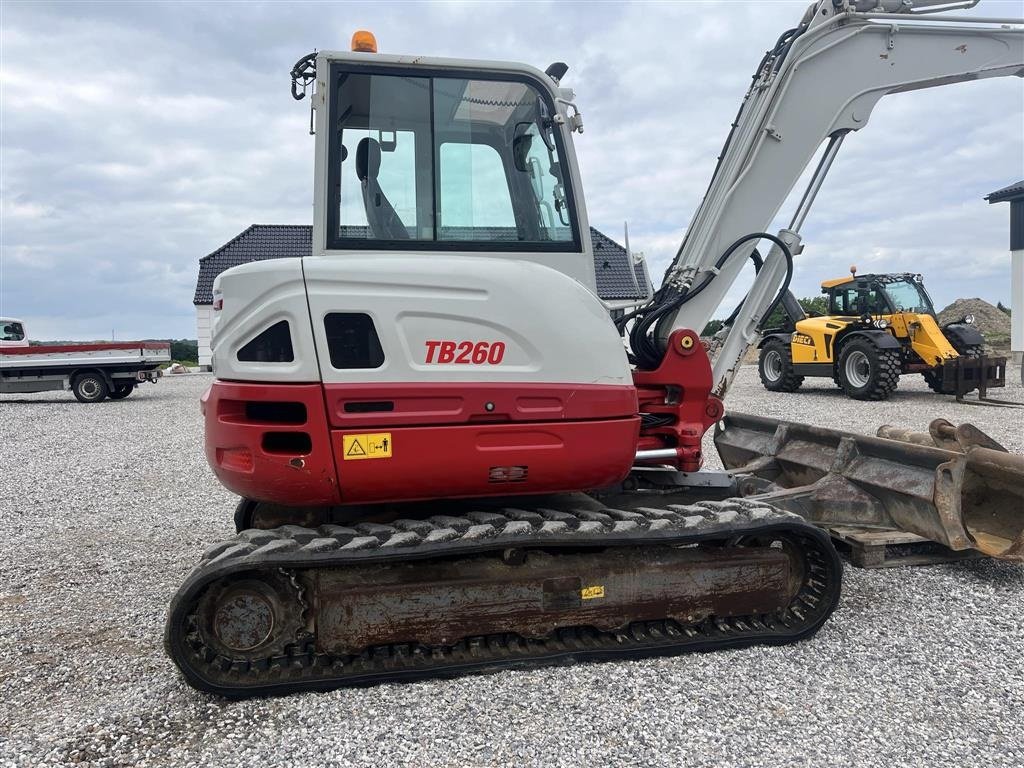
(92, 372)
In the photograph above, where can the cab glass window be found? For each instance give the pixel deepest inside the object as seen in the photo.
(442, 162)
(382, 149)
(473, 192)
(853, 302)
(909, 296)
(13, 332)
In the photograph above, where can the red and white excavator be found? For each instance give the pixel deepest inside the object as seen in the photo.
(447, 459)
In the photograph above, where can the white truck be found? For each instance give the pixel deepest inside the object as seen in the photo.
(92, 372)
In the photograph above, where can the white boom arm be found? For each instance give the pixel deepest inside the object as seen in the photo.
(821, 83)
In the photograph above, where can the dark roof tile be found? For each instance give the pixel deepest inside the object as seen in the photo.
(258, 242)
(1012, 192)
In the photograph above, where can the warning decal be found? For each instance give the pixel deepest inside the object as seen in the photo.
(376, 445)
(592, 593)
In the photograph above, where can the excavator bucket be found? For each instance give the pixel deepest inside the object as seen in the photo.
(952, 485)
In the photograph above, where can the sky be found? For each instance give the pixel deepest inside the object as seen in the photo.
(135, 138)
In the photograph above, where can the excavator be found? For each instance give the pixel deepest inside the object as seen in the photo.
(448, 459)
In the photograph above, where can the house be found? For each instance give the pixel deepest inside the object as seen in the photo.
(1014, 195)
(615, 285)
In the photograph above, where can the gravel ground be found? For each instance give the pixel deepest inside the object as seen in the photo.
(105, 508)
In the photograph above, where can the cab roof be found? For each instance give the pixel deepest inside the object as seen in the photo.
(826, 284)
(889, 277)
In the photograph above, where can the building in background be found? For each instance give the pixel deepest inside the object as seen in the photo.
(615, 285)
(1014, 195)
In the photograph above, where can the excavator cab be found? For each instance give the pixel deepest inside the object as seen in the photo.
(450, 156)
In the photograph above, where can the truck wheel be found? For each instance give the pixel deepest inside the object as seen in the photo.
(121, 391)
(89, 388)
(868, 372)
(775, 366)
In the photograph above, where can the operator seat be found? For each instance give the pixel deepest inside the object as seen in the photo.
(380, 215)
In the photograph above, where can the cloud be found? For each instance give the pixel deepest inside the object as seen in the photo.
(167, 128)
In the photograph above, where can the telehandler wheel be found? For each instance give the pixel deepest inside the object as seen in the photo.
(866, 371)
(121, 391)
(775, 366)
(90, 387)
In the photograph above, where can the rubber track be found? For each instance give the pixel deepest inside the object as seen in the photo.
(302, 668)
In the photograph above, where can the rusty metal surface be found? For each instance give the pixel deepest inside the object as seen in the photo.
(243, 621)
(952, 485)
(438, 603)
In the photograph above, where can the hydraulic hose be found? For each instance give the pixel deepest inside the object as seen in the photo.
(645, 347)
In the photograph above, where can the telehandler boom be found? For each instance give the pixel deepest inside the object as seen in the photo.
(447, 460)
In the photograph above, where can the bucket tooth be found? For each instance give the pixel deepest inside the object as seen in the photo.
(953, 484)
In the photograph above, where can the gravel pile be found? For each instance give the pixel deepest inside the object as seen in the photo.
(105, 508)
(993, 323)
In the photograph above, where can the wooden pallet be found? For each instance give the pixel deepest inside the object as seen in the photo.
(875, 548)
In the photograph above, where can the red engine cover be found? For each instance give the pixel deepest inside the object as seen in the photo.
(271, 442)
(403, 442)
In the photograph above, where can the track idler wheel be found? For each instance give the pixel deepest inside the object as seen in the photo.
(250, 618)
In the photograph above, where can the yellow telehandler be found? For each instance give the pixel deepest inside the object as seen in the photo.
(878, 327)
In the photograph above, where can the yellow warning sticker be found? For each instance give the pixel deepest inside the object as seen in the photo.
(376, 445)
(590, 593)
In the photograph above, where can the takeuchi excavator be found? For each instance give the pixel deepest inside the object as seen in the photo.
(448, 460)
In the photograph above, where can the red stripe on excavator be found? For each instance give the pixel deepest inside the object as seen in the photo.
(417, 404)
(272, 442)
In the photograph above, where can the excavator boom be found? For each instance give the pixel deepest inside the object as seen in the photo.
(817, 85)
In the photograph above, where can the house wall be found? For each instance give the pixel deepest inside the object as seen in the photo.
(1017, 305)
(203, 314)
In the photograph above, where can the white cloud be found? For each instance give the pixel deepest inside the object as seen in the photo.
(168, 128)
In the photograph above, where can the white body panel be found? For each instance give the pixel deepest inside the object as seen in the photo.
(554, 329)
(256, 296)
(204, 316)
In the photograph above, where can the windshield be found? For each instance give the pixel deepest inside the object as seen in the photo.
(444, 160)
(909, 296)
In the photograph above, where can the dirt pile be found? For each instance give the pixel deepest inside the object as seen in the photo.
(993, 323)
